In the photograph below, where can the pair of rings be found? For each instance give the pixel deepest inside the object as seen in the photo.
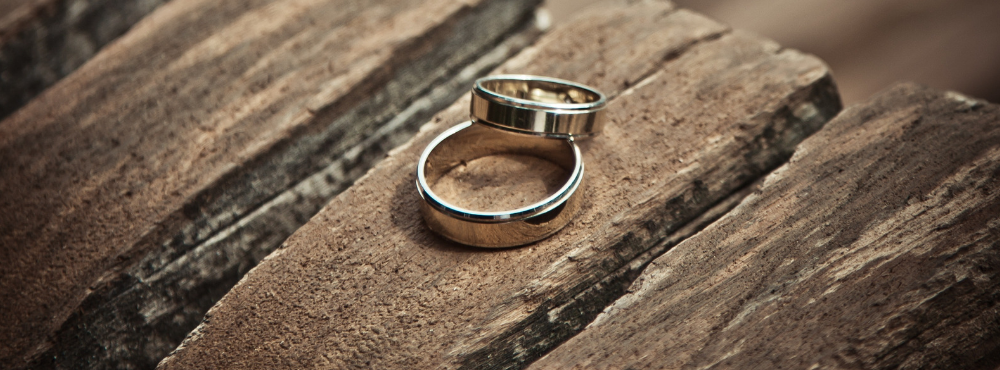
(513, 114)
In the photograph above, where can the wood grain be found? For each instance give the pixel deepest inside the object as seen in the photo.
(42, 41)
(697, 113)
(141, 187)
(877, 246)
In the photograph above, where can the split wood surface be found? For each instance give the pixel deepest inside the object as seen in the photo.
(876, 247)
(135, 192)
(697, 113)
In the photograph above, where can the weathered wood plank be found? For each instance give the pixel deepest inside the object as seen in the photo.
(140, 188)
(697, 113)
(42, 41)
(877, 246)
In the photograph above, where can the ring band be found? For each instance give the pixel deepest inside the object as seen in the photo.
(538, 105)
(467, 141)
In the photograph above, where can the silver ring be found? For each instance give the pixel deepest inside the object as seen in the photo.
(538, 105)
(469, 140)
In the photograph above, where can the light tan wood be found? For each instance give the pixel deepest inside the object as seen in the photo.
(875, 247)
(697, 113)
(138, 189)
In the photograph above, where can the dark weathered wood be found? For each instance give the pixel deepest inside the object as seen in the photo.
(876, 247)
(42, 41)
(697, 112)
(138, 190)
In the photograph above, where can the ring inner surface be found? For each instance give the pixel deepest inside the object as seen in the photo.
(484, 169)
(541, 91)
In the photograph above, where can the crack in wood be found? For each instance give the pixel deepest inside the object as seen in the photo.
(547, 327)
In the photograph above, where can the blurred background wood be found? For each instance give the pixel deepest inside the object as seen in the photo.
(949, 45)
(42, 41)
(7, 11)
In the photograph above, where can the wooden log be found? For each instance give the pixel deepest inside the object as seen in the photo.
(877, 246)
(138, 190)
(697, 112)
(42, 41)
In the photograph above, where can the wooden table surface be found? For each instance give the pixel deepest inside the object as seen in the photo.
(225, 172)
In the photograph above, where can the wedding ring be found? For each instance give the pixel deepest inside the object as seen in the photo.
(538, 105)
(469, 140)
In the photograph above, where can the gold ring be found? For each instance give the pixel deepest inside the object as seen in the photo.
(538, 105)
(469, 140)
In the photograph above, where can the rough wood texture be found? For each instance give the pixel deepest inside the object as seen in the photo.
(697, 112)
(877, 247)
(42, 41)
(137, 190)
